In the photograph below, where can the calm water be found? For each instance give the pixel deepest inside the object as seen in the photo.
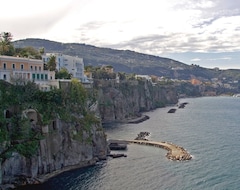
(207, 127)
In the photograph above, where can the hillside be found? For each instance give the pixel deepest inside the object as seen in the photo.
(129, 61)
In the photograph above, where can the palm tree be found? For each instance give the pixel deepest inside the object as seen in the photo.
(6, 47)
(41, 51)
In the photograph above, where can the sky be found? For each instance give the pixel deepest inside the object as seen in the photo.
(199, 32)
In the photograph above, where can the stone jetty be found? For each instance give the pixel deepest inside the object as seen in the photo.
(175, 152)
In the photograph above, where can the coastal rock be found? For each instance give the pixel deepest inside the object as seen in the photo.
(182, 105)
(173, 110)
(142, 136)
(57, 150)
(139, 119)
(124, 101)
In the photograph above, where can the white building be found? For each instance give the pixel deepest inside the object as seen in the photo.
(146, 77)
(74, 65)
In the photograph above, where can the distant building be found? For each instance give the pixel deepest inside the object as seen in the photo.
(74, 65)
(196, 82)
(146, 77)
(24, 69)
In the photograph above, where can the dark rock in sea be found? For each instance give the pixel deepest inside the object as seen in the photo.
(117, 155)
(173, 110)
(182, 105)
(139, 120)
(142, 136)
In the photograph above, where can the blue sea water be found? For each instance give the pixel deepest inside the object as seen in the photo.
(208, 127)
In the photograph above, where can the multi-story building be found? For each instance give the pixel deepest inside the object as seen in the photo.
(24, 69)
(74, 65)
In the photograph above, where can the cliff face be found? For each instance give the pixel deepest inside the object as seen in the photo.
(70, 145)
(59, 149)
(125, 100)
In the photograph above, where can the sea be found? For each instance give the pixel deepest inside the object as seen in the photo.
(208, 128)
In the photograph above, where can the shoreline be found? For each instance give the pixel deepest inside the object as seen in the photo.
(45, 177)
(134, 120)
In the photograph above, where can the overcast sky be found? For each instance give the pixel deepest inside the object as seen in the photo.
(202, 32)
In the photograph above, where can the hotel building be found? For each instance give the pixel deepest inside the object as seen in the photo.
(25, 69)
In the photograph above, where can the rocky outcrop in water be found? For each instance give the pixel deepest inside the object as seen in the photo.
(123, 101)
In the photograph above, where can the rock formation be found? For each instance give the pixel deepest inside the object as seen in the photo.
(119, 102)
(58, 150)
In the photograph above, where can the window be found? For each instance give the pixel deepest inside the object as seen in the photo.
(39, 68)
(13, 66)
(37, 76)
(21, 67)
(31, 67)
(4, 65)
(41, 76)
(46, 77)
(35, 68)
(4, 77)
(33, 76)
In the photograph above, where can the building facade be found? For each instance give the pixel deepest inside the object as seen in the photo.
(74, 65)
(24, 69)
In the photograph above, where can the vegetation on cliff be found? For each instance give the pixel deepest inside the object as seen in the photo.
(17, 134)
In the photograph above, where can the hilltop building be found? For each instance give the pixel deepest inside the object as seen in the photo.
(23, 69)
(146, 77)
(74, 65)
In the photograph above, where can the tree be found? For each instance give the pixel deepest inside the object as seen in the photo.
(63, 74)
(41, 50)
(89, 68)
(122, 76)
(6, 47)
(51, 64)
(78, 97)
(28, 52)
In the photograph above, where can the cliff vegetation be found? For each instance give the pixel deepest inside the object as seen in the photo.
(42, 132)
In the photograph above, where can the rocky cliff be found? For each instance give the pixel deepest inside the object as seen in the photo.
(124, 100)
(60, 149)
(69, 144)
(45, 133)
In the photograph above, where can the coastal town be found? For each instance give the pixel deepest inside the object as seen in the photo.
(55, 109)
(28, 69)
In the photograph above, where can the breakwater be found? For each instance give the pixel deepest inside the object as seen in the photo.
(175, 152)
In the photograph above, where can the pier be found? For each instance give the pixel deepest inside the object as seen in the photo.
(175, 152)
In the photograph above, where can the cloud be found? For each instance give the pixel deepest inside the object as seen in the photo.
(32, 18)
(195, 59)
(226, 58)
(165, 27)
(220, 58)
(210, 26)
